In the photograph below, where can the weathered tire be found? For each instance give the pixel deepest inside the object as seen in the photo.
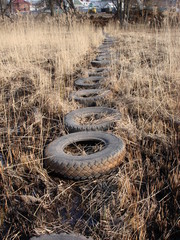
(87, 166)
(104, 47)
(107, 44)
(85, 96)
(90, 82)
(109, 38)
(101, 72)
(102, 63)
(62, 236)
(95, 74)
(108, 41)
(110, 58)
(105, 52)
(73, 126)
(102, 58)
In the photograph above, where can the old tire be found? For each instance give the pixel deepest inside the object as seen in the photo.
(101, 72)
(98, 74)
(62, 236)
(89, 97)
(90, 82)
(104, 47)
(102, 63)
(102, 58)
(98, 70)
(87, 166)
(104, 55)
(105, 52)
(108, 41)
(73, 126)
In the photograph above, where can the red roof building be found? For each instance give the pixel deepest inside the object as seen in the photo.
(20, 6)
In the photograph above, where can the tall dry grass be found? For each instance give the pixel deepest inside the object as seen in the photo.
(146, 90)
(39, 61)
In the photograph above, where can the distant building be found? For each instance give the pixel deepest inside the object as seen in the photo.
(109, 8)
(92, 3)
(20, 6)
(85, 2)
(81, 3)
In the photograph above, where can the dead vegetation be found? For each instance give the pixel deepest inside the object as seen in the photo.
(84, 148)
(96, 118)
(141, 199)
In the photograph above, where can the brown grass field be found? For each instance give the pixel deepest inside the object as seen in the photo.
(39, 61)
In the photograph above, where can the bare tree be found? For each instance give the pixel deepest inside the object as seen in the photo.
(64, 5)
(140, 4)
(51, 5)
(122, 10)
(5, 8)
(126, 9)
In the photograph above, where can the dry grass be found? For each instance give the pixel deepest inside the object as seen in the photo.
(84, 148)
(96, 118)
(37, 66)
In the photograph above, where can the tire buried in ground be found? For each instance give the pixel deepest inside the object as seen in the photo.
(102, 58)
(89, 97)
(110, 117)
(100, 69)
(90, 82)
(84, 166)
(104, 55)
(108, 42)
(104, 47)
(99, 72)
(102, 63)
(103, 52)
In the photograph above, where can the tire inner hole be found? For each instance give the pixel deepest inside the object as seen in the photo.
(91, 81)
(90, 95)
(83, 148)
(95, 118)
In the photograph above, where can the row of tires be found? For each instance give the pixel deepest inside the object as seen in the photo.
(113, 150)
(97, 163)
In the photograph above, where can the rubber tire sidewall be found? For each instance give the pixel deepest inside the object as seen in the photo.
(88, 166)
(72, 125)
